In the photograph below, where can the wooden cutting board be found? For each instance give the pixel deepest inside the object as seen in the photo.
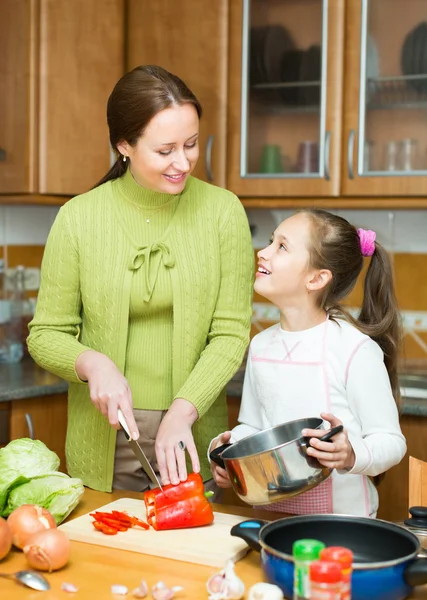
(211, 545)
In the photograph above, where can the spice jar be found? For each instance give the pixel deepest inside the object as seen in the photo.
(325, 580)
(344, 558)
(304, 552)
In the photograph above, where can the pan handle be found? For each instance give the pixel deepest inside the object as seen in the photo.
(249, 531)
(215, 455)
(416, 572)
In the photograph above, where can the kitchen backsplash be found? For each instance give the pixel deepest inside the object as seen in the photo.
(24, 230)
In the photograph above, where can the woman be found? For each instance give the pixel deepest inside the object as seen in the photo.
(145, 299)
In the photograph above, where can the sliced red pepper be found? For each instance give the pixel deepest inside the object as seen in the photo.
(104, 528)
(117, 520)
(179, 506)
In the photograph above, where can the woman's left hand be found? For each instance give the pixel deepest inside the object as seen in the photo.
(336, 454)
(173, 439)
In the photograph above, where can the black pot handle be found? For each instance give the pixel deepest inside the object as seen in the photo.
(327, 437)
(416, 572)
(304, 443)
(249, 531)
(215, 455)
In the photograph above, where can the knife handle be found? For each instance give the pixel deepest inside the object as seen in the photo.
(123, 424)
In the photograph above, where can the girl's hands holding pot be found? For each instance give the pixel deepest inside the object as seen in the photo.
(173, 438)
(108, 388)
(335, 454)
(219, 474)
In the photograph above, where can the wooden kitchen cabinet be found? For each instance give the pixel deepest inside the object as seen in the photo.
(190, 39)
(285, 97)
(394, 490)
(350, 129)
(43, 418)
(62, 60)
(385, 111)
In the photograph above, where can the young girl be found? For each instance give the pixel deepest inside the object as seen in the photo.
(320, 359)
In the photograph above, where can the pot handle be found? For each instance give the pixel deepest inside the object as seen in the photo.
(215, 455)
(327, 437)
(416, 572)
(249, 531)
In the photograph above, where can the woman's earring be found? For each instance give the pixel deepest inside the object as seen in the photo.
(124, 158)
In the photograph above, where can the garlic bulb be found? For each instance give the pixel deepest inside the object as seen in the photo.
(265, 591)
(225, 585)
(160, 591)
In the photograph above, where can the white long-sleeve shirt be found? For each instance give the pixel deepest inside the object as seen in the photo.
(334, 368)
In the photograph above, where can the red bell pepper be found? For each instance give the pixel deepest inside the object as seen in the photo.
(179, 506)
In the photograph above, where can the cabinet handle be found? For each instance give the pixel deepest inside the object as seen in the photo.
(2, 155)
(209, 145)
(327, 155)
(30, 426)
(350, 153)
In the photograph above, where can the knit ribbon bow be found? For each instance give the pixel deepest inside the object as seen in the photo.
(367, 241)
(151, 256)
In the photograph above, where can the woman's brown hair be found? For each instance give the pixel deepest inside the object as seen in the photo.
(336, 247)
(136, 98)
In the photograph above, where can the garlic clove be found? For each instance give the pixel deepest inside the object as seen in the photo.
(265, 591)
(119, 590)
(141, 591)
(160, 591)
(69, 587)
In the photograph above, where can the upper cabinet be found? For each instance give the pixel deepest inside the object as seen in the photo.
(386, 98)
(305, 101)
(62, 61)
(286, 64)
(190, 39)
(328, 98)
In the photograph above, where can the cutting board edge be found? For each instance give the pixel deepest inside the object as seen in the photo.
(211, 561)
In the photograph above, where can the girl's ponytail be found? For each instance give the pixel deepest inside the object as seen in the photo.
(379, 316)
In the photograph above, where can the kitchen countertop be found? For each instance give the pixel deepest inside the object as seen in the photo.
(27, 380)
(94, 569)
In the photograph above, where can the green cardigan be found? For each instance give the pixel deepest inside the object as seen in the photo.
(83, 303)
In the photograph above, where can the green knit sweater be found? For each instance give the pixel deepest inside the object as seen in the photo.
(95, 249)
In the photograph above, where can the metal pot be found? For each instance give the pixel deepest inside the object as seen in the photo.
(385, 566)
(273, 464)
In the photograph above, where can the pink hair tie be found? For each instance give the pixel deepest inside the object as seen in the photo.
(367, 241)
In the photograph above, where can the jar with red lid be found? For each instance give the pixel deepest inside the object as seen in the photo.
(325, 580)
(344, 557)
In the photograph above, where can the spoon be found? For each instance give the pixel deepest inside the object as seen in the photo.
(31, 579)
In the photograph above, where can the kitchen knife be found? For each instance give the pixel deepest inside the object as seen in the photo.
(138, 451)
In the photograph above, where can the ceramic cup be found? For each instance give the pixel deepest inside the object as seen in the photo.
(271, 160)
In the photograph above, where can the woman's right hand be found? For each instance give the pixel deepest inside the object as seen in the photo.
(108, 388)
(219, 474)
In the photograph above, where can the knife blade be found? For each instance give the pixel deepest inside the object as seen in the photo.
(138, 451)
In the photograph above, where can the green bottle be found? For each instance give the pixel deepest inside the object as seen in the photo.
(304, 552)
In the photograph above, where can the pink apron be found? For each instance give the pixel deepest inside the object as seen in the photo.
(299, 374)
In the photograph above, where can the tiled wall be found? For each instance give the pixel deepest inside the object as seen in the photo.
(24, 230)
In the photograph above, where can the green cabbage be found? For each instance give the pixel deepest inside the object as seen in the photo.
(28, 475)
(56, 491)
(21, 460)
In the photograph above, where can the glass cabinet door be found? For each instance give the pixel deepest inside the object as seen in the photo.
(284, 136)
(389, 156)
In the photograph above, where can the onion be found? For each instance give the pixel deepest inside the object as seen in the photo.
(26, 520)
(5, 538)
(47, 550)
